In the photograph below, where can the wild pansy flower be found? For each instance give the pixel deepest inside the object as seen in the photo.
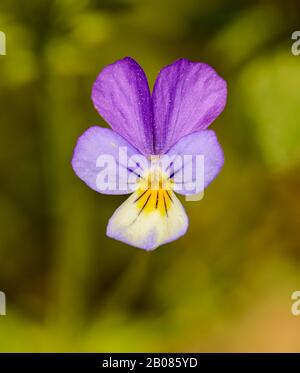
(155, 131)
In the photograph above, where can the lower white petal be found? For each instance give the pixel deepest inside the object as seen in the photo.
(148, 219)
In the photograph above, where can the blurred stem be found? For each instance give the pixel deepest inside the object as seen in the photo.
(68, 223)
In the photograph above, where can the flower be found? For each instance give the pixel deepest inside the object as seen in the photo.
(167, 125)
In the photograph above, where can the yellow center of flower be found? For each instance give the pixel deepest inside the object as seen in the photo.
(154, 192)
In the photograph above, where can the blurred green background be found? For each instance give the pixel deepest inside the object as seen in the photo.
(227, 284)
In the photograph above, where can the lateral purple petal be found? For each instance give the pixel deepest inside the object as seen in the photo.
(122, 97)
(187, 97)
(100, 159)
(196, 160)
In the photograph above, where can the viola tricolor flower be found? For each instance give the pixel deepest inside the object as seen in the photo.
(167, 124)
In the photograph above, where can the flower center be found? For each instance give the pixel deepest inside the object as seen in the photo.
(155, 191)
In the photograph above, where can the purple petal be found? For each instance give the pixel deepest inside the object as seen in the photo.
(122, 97)
(197, 175)
(100, 159)
(187, 97)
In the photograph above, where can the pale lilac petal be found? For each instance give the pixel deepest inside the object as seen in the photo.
(190, 175)
(102, 150)
(122, 97)
(187, 97)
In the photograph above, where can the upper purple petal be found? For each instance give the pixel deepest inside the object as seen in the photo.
(187, 97)
(122, 97)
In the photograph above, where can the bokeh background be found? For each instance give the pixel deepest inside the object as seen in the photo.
(227, 284)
